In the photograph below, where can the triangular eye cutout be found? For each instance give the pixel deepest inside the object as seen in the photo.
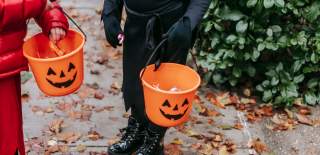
(186, 102)
(166, 104)
(71, 67)
(51, 72)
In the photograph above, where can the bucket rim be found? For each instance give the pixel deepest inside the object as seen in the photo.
(170, 92)
(60, 57)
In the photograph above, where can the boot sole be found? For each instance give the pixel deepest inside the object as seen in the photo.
(114, 153)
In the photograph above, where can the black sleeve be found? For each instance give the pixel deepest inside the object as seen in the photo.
(196, 11)
(113, 7)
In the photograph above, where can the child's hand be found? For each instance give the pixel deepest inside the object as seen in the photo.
(57, 34)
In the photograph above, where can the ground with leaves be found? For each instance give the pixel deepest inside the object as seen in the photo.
(88, 121)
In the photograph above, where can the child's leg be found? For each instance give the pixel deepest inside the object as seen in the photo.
(11, 134)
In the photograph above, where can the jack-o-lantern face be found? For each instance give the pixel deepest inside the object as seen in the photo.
(62, 79)
(174, 111)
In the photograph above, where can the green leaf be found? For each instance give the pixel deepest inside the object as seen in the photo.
(297, 65)
(231, 39)
(279, 67)
(298, 79)
(251, 71)
(274, 81)
(236, 72)
(279, 3)
(218, 27)
(259, 88)
(208, 26)
(311, 98)
(255, 55)
(268, 3)
(312, 83)
(251, 3)
(215, 41)
(276, 28)
(269, 32)
(267, 96)
(241, 26)
(234, 15)
(313, 58)
(261, 47)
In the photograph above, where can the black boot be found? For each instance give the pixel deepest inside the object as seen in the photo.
(152, 145)
(130, 141)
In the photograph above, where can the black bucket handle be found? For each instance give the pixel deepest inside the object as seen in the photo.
(75, 23)
(194, 59)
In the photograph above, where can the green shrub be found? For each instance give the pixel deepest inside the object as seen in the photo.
(273, 45)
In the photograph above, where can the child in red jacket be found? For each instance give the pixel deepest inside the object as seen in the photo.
(13, 27)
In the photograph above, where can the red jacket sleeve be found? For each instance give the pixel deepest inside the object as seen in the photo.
(52, 17)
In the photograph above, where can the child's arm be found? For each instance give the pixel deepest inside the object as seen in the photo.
(53, 21)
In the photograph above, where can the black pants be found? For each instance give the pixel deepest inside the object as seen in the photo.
(135, 54)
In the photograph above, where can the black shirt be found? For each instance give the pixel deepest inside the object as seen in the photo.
(143, 6)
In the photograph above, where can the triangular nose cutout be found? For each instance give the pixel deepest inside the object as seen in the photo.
(176, 108)
(62, 74)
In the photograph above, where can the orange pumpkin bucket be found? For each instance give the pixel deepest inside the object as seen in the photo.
(58, 69)
(169, 92)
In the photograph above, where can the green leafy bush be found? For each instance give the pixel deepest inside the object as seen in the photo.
(273, 45)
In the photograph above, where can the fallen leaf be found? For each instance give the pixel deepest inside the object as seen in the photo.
(69, 137)
(173, 149)
(177, 141)
(115, 88)
(258, 146)
(48, 110)
(55, 126)
(304, 120)
(226, 127)
(304, 110)
(247, 92)
(206, 149)
(223, 150)
(99, 95)
(238, 126)
(94, 135)
(81, 148)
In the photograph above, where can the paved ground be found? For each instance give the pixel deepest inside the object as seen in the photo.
(100, 77)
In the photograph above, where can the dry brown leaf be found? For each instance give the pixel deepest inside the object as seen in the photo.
(48, 110)
(173, 149)
(94, 135)
(231, 146)
(55, 126)
(304, 120)
(258, 146)
(99, 95)
(115, 88)
(82, 115)
(177, 141)
(52, 149)
(62, 106)
(238, 126)
(64, 148)
(266, 110)
(304, 110)
(223, 150)
(247, 92)
(36, 108)
(112, 140)
(69, 137)
(81, 148)
(206, 149)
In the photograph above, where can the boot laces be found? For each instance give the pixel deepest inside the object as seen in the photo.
(151, 142)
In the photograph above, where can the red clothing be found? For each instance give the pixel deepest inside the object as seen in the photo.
(13, 18)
